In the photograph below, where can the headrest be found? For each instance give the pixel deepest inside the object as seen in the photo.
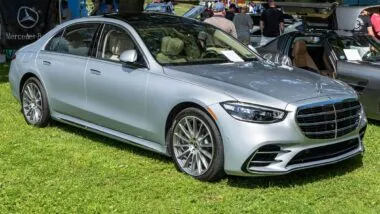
(299, 48)
(119, 42)
(171, 46)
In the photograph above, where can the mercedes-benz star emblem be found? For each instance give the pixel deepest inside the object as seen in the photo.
(27, 17)
(318, 88)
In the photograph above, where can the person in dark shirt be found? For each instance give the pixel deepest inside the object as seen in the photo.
(271, 22)
(230, 14)
(363, 22)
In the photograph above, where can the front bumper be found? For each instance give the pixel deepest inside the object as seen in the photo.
(241, 140)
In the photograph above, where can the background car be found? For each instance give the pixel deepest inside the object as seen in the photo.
(339, 52)
(188, 90)
(159, 8)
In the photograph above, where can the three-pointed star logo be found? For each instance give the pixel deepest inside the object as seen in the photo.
(318, 88)
(27, 17)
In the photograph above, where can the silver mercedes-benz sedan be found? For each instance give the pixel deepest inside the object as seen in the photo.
(187, 90)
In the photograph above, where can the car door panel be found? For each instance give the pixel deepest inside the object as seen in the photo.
(365, 79)
(64, 76)
(116, 91)
(63, 63)
(116, 96)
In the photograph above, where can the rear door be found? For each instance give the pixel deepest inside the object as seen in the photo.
(62, 64)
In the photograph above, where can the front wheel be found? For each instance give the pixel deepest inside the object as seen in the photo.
(196, 145)
(34, 103)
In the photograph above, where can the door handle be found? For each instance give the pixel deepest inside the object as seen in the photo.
(46, 63)
(96, 72)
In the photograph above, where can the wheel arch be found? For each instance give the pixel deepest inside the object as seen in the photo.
(25, 77)
(178, 108)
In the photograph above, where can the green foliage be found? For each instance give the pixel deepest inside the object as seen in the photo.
(61, 169)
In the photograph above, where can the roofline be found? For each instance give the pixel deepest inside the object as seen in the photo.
(302, 4)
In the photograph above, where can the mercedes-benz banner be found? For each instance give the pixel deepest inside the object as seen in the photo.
(24, 21)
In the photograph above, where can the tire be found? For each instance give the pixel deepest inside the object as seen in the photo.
(196, 146)
(34, 104)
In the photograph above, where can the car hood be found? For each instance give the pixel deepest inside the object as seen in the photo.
(249, 80)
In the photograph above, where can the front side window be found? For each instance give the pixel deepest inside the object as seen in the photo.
(114, 42)
(356, 48)
(181, 42)
(76, 40)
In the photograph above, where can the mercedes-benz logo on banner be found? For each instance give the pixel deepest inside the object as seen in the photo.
(27, 17)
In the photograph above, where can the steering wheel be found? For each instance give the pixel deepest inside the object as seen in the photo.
(210, 54)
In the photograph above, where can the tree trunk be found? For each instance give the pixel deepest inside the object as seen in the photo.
(131, 6)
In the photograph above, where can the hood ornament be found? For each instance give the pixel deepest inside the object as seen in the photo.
(318, 88)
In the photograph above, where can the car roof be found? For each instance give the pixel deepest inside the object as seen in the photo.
(149, 18)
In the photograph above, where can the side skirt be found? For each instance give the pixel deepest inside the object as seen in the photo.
(119, 136)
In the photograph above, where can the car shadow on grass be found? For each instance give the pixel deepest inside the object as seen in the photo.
(111, 142)
(298, 178)
(284, 181)
(374, 122)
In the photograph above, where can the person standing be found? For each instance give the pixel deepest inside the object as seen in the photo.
(271, 23)
(66, 13)
(375, 21)
(219, 20)
(230, 14)
(102, 7)
(243, 23)
(363, 23)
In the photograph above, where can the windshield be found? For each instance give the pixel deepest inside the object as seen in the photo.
(356, 48)
(179, 41)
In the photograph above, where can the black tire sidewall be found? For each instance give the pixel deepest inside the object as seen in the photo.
(216, 169)
(45, 106)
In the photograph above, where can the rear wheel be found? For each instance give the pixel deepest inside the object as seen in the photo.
(34, 103)
(196, 145)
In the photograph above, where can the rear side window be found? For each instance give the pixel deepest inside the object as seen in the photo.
(76, 40)
(53, 43)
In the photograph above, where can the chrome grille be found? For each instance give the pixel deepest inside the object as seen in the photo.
(329, 120)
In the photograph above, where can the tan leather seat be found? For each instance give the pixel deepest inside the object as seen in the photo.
(118, 43)
(301, 57)
(328, 66)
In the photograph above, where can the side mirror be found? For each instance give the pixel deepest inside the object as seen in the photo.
(129, 56)
(253, 49)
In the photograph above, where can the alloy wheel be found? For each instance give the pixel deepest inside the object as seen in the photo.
(193, 145)
(32, 103)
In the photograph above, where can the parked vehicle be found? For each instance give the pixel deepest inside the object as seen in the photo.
(159, 8)
(336, 50)
(188, 90)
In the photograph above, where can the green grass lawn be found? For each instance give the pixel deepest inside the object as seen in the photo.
(180, 9)
(60, 169)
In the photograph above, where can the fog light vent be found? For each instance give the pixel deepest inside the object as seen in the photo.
(265, 156)
(362, 132)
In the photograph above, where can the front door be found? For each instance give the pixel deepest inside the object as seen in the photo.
(116, 91)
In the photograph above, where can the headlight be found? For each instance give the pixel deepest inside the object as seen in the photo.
(253, 113)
